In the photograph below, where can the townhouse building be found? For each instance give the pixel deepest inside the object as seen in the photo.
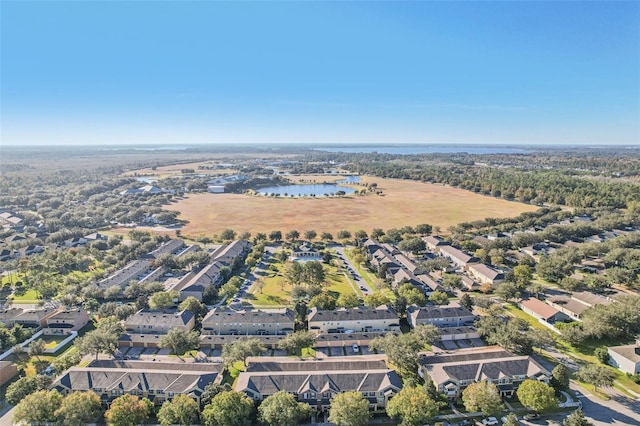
(359, 319)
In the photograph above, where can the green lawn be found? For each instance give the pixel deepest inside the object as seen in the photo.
(30, 368)
(337, 283)
(236, 369)
(187, 354)
(12, 279)
(30, 296)
(308, 353)
(275, 291)
(516, 312)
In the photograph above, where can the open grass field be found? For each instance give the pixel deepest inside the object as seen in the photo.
(404, 203)
(213, 159)
(275, 291)
(28, 297)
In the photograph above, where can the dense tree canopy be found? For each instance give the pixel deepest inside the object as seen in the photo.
(180, 341)
(39, 407)
(294, 343)
(181, 410)
(412, 406)
(282, 409)
(24, 386)
(128, 410)
(596, 375)
(239, 350)
(576, 418)
(229, 409)
(79, 408)
(349, 409)
(536, 395)
(482, 396)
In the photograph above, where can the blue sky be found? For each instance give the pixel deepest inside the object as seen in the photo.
(113, 72)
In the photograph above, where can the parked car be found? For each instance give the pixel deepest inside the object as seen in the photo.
(356, 348)
(490, 421)
(504, 420)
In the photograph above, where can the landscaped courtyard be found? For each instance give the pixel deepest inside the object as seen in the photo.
(272, 289)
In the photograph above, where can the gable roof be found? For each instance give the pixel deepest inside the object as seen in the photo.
(69, 314)
(630, 352)
(452, 310)
(567, 304)
(427, 280)
(492, 364)
(353, 314)
(590, 299)
(270, 382)
(166, 377)
(455, 253)
(434, 240)
(343, 364)
(159, 318)
(225, 316)
(540, 308)
(486, 271)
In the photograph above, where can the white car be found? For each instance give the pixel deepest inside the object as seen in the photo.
(356, 348)
(490, 421)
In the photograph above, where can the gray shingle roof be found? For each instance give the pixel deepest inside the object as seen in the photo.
(343, 364)
(268, 383)
(164, 377)
(430, 312)
(225, 316)
(630, 352)
(481, 365)
(159, 319)
(353, 314)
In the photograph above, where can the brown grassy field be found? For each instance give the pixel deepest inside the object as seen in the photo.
(174, 170)
(403, 203)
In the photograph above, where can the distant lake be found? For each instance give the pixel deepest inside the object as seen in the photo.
(316, 190)
(422, 149)
(146, 179)
(349, 179)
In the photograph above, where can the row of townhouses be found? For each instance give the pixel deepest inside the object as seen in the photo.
(314, 382)
(143, 270)
(58, 321)
(194, 283)
(400, 268)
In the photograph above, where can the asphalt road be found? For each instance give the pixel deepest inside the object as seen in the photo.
(618, 411)
(355, 276)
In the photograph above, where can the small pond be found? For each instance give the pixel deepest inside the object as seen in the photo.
(312, 190)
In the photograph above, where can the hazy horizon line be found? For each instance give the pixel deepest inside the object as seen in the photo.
(318, 145)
